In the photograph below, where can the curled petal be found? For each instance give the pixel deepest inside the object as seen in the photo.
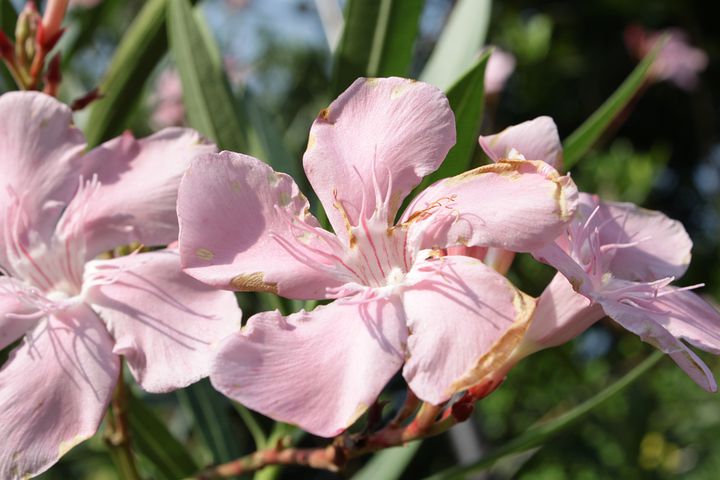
(561, 315)
(374, 144)
(535, 139)
(662, 246)
(139, 179)
(40, 151)
(54, 390)
(320, 370)
(465, 321)
(164, 322)
(650, 325)
(244, 227)
(513, 205)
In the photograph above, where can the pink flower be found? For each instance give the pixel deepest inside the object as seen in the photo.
(499, 68)
(59, 209)
(536, 139)
(167, 101)
(398, 300)
(621, 260)
(677, 61)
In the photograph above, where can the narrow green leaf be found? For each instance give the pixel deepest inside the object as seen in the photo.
(140, 50)
(467, 99)
(266, 142)
(209, 103)
(582, 139)
(459, 43)
(152, 440)
(388, 464)
(8, 18)
(211, 415)
(88, 21)
(542, 432)
(377, 40)
(253, 426)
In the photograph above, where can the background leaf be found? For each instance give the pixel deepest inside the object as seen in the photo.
(466, 97)
(152, 440)
(377, 40)
(140, 50)
(209, 103)
(459, 43)
(8, 18)
(388, 464)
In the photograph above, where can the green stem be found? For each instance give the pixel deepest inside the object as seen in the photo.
(117, 432)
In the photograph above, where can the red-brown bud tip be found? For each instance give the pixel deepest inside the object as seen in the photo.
(462, 409)
(6, 47)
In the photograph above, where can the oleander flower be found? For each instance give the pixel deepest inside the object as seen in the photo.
(59, 209)
(500, 66)
(398, 298)
(677, 62)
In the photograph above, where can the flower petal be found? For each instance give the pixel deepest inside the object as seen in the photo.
(12, 328)
(650, 326)
(164, 322)
(137, 199)
(245, 227)
(535, 139)
(514, 205)
(320, 370)
(663, 248)
(561, 315)
(40, 151)
(54, 390)
(374, 144)
(465, 320)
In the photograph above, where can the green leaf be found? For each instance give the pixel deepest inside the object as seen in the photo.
(580, 141)
(466, 97)
(8, 19)
(388, 464)
(209, 102)
(88, 20)
(152, 440)
(544, 431)
(377, 40)
(459, 43)
(139, 51)
(211, 415)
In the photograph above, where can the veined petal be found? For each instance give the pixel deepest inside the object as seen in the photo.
(535, 139)
(374, 144)
(663, 246)
(465, 321)
(54, 390)
(40, 152)
(514, 205)
(139, 180)
(12, 328)
(164, 322)
(649, 325)
(320, 370)
(561, 315)
(244, 227)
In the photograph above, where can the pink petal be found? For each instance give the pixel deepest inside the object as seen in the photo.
(561, 315)
(40, 152)
(649, 326)
(465, 320)
(500, 66)
(663, 248)
(54, 390)
(164, 322)
(535, 139)
(688, 316)
(320, 370)
(247, 228)
(136, 201)
(12, 328)
(377, 140)
(514, 205)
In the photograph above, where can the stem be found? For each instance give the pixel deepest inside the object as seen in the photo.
(117, 432)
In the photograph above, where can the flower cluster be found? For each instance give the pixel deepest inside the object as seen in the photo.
(421, 291)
